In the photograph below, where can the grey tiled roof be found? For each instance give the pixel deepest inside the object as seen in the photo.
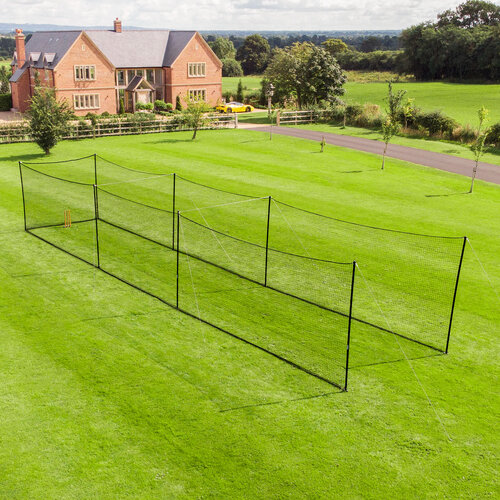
(50, 42)
(18, 73)
(141, 48)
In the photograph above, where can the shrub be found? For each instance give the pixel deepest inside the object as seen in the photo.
(144, 106)
(105, 114)
(464, 134)
(435, 122)
(122, 107)
(252, 98)
(178, 104)
(231, 67)
(493, 136)
(160, 105)
(228, 96)
(352, 111)
(5, 102)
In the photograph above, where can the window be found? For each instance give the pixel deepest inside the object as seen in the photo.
(86, 101)
(120, 77)
(140, 72)
(150, 75)
(197, 95)
(130, 75)
(84, 73)
(197, 69)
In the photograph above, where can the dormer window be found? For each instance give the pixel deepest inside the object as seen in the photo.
(83, 73)
(49, 57)
(34, 57)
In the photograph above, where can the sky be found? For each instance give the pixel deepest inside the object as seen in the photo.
(248, 15)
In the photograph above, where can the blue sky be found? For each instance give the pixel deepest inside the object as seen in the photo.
(232, 14)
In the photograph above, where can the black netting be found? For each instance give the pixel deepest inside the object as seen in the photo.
(219, 290)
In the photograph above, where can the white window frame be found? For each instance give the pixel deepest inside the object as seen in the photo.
(86, 101)
(84, 73)
(197, 69)
(197, 95)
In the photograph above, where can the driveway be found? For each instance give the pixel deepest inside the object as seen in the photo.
(10, 116)
(486, 171)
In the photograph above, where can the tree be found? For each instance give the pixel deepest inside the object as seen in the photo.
(178, 104)
(48, 118)
(254, 54)
(394, 102)
(408, 111)
(223, 48)
(389, 129)
(306, 73)
(471, 14)
(239, 91)
(231, 67)
(370, 44)
(4, 80)
(477, 147)
(194, 114)
(335, 46)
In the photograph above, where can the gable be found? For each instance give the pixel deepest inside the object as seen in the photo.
(203, 45)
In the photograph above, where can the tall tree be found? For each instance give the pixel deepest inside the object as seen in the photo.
(48, 118)
(223, 48)
(335, 46)
(254, 54)
(306, 73)
(471, 14)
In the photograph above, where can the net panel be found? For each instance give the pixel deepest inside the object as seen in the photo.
(410, 278)
(302, 333)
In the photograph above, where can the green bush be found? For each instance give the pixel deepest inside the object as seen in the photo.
(122, 107)
(178, 104)
(144, 106)
(160, 105)
(352, 111)
(5, 102)
(231, 67)
(105, 114)
(435, 122)
(493, 136)
(252, 98)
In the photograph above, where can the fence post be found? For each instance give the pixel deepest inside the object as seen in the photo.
(349, 326)
(278, 115)
(177, 274)
(22, 190)
(235, 120)
(96, 217)
(267, 238)
(173, 214)
(455, 294)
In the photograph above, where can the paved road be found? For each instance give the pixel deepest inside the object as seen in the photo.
(486, 171)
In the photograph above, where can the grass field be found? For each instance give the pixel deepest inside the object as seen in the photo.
(107, 393)
(460, 101)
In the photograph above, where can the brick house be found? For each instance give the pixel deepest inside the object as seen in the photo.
(95, 69)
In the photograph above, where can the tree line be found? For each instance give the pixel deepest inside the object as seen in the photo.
(462, 44)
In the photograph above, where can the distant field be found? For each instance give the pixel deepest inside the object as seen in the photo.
(5, 62)
(460, 101)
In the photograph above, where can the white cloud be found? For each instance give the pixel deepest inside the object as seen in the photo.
(232, 14)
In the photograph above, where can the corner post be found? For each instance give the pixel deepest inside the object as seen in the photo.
(455, 294)
(177, 273)
(349, 325)
(173, 214)
(96, 217)
(267, 238)
(22, 190)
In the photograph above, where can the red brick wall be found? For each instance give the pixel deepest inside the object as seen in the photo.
(83, 52)
(178, 81)
(21, 93)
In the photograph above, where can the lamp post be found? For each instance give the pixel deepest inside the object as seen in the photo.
(269, 94)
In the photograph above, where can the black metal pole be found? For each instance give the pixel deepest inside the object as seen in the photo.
(95, 169)
(267, 239)
(96, 213)
(349, 326)
(455, 294)
(173, 216)
(22, 190)
(177, 285)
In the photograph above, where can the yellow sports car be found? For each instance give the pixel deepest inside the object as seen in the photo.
(234, 107)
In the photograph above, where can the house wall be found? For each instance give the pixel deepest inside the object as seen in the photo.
(21, 93)
(179, 82)
(83, 52)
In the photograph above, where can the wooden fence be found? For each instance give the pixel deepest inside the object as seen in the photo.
(295, 117)
(19, 131)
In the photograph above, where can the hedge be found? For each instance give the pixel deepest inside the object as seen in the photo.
(5, 102)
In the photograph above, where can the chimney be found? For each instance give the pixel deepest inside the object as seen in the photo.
(117, 25)
(20, 48)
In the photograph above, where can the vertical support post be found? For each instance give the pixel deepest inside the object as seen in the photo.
(22, 190)
(177, 274)
(95, 169)
(267, 238)
(349, 326)
(173, 215)
(96, 217)
(455, 294)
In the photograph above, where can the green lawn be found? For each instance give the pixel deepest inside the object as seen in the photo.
(460, 101)
(105, 392)
(230, 83)
(5, 62)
